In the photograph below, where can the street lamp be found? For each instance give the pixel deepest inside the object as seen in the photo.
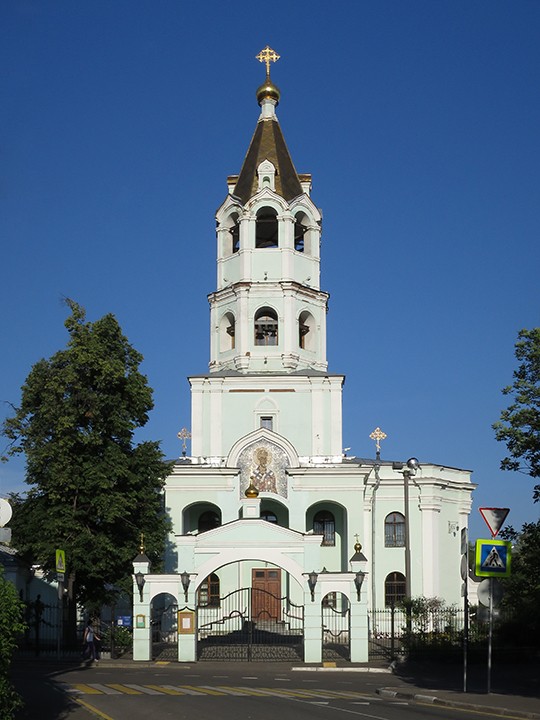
(184, 577)
(410, 470)
(139, 579)
(358, 580)
(312, 581)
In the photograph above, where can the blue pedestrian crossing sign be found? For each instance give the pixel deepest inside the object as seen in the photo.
(493, 558)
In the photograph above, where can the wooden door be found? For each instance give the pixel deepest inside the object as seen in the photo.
(266, 594)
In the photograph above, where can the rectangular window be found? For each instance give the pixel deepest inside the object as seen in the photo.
(267, 422)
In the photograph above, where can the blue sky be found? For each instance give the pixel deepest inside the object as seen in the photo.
(419, 123)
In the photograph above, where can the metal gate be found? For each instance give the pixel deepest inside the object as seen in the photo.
(164, 629)
(336, 627)
(250, 624)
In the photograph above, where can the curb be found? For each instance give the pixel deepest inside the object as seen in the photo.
(446, 702)
(342, 669)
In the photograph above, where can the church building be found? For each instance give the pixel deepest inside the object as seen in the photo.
(274, 528)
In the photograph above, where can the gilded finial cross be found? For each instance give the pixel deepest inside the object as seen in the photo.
(378, 435)
(267, 56)
(184, 435)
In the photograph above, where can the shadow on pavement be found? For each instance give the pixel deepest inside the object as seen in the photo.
(506, 679)
(34, 681)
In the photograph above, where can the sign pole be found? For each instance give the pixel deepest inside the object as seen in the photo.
(465, 578)
(465, 635)
(60, 576)
(492, 566)
(59, 616)
(490, 638)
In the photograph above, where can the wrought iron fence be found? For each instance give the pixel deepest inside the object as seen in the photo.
(394, 632)
(50, 631)
(45, 631)
(250, 624)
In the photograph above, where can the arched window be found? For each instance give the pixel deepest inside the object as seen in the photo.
(235, 233)
(394, 588)
(306, 331)
(231, 238)
(209, 591)
(325, 525)
(300, 230)
(266, 327)
(208, 521)
(394, 530)
(227, 332)
(269, 516)
(266, 233)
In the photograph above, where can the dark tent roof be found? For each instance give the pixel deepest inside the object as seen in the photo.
(268, 143)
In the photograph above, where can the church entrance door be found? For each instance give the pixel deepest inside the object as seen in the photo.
(265, 598)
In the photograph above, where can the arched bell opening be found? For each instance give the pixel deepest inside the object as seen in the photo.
(266, 229)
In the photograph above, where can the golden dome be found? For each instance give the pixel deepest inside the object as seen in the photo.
(251, 491)
(268, 90)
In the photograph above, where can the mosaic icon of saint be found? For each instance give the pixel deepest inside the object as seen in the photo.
(263, 478)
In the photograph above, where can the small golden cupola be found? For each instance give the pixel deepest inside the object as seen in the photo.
(251, 491)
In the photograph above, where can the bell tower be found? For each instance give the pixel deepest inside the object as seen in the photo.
(268, 313)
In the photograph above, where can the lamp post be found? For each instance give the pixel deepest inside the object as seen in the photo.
(312, 581)
(139, 579)
(408, 471)
(358, 580)
(184, 577)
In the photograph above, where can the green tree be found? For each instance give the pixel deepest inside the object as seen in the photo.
(522, 587)
(11, 625)
(93, 490)
(519, 426)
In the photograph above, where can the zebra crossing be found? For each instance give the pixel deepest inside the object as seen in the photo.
(210, 691)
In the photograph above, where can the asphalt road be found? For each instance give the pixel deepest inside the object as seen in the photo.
(210, 692)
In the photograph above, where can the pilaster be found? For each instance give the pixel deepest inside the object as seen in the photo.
(430, 509)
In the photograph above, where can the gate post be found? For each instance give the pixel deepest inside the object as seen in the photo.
(312, 627)
(359, 628)
(187, 625)
(142, 633)
(359, 607)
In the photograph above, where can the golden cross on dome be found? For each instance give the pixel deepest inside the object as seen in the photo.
(267, 56)
(378, 435)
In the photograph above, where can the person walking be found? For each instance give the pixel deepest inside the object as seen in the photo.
(90, 638)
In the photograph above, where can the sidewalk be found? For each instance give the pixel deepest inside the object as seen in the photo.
(515, 689)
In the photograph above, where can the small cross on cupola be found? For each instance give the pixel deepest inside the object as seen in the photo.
(268, 91)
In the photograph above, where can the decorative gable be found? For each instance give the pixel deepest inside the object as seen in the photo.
(266, 172)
